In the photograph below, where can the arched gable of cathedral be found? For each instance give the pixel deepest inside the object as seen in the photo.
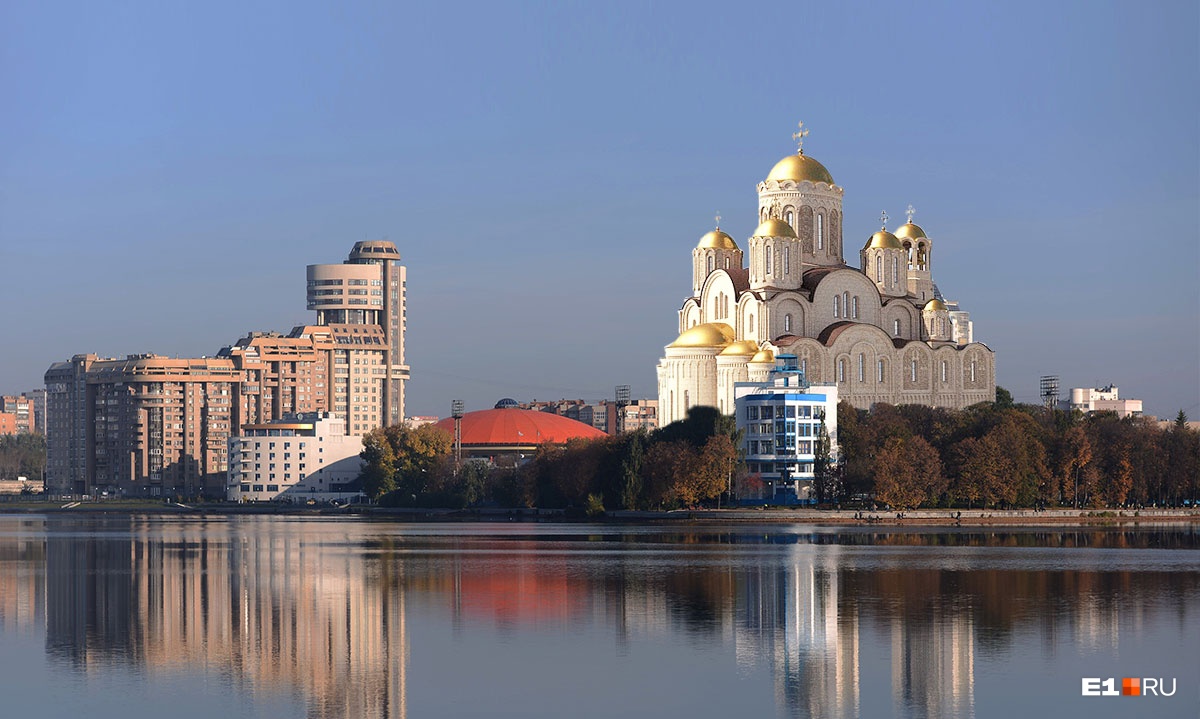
(977, 367)
(689, 314)
(909, 318)
(749, 316)
(854, 349)
(787, 313)
(840, 294)
(718, 298)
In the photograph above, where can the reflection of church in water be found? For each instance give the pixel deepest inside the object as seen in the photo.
(803, 619)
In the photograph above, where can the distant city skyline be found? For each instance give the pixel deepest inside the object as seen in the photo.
(170, 171)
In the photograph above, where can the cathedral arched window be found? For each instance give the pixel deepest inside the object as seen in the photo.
(726, 263)
(710, 263)
(787, 260)
(895, 272)
(879, 271)
(854, 307)
(841, 370)
(787, 217)
(753, 326)
(862, 367)
(913, 369)
(820, 231)
(846, 303)
(787, 323)
(972, 370)
(837, 306)
(896, 328)
(943, 370)
(881, 371)
(769, 253)
(804, 366)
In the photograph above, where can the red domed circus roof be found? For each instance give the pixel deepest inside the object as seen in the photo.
(514, 427)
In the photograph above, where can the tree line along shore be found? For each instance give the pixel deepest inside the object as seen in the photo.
(999, 456)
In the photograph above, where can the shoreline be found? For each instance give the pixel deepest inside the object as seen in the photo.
(827, 517)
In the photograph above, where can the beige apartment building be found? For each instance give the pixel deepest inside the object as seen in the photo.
(150, 425)
(367, 290)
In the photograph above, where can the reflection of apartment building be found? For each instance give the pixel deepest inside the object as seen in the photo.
(251, 604)
(299, 458)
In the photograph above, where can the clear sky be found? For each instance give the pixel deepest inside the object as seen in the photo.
(167, 170)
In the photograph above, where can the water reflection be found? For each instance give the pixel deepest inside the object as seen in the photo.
(321, 610)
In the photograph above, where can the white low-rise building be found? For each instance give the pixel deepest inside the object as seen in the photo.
(299, 458)
(782, 421)
(1104, 399)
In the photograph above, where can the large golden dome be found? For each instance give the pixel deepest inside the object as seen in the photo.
(909, 231)
(741, 347)
(716, 240)
(798, 168)
(884, 240)
(935, 305)
(774, 227)
(709, 334)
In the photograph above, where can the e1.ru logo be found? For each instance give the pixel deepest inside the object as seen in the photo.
(1130, 687)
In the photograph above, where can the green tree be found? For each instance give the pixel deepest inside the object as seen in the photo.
(379, 465)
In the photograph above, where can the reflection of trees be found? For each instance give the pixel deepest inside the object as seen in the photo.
(319, 608)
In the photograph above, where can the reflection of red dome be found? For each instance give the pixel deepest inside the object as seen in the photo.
(518, 428)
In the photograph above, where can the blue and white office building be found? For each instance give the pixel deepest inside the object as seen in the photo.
(782, 419)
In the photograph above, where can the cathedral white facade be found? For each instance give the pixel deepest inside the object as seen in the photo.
(881, 331)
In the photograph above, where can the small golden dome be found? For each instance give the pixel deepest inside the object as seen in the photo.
(909, 231)
(935, 305)
(709, 334)
(742, 348)
(884, 240)
(774, 227)
(764, 355)
(716, 240)
(798, 168)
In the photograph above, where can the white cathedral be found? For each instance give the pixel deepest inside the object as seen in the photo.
(882, 333)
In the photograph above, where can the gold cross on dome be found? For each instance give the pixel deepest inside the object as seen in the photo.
(883, 218)
(910, 212)
(718, 218)
(799, 136)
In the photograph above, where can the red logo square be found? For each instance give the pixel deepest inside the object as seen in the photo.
(1131, 687)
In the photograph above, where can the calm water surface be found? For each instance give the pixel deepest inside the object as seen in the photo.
(117, 616)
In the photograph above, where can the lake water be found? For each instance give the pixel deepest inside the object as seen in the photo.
(119, 616)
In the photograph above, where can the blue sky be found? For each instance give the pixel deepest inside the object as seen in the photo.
(168, 169)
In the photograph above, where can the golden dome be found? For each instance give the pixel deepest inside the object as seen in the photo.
(774, 227)
(884, 240)
(799, 168)
(709, 334)
(764, 355)
(716, 240)
(935, 305)
(742, 348)
(909, 231)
